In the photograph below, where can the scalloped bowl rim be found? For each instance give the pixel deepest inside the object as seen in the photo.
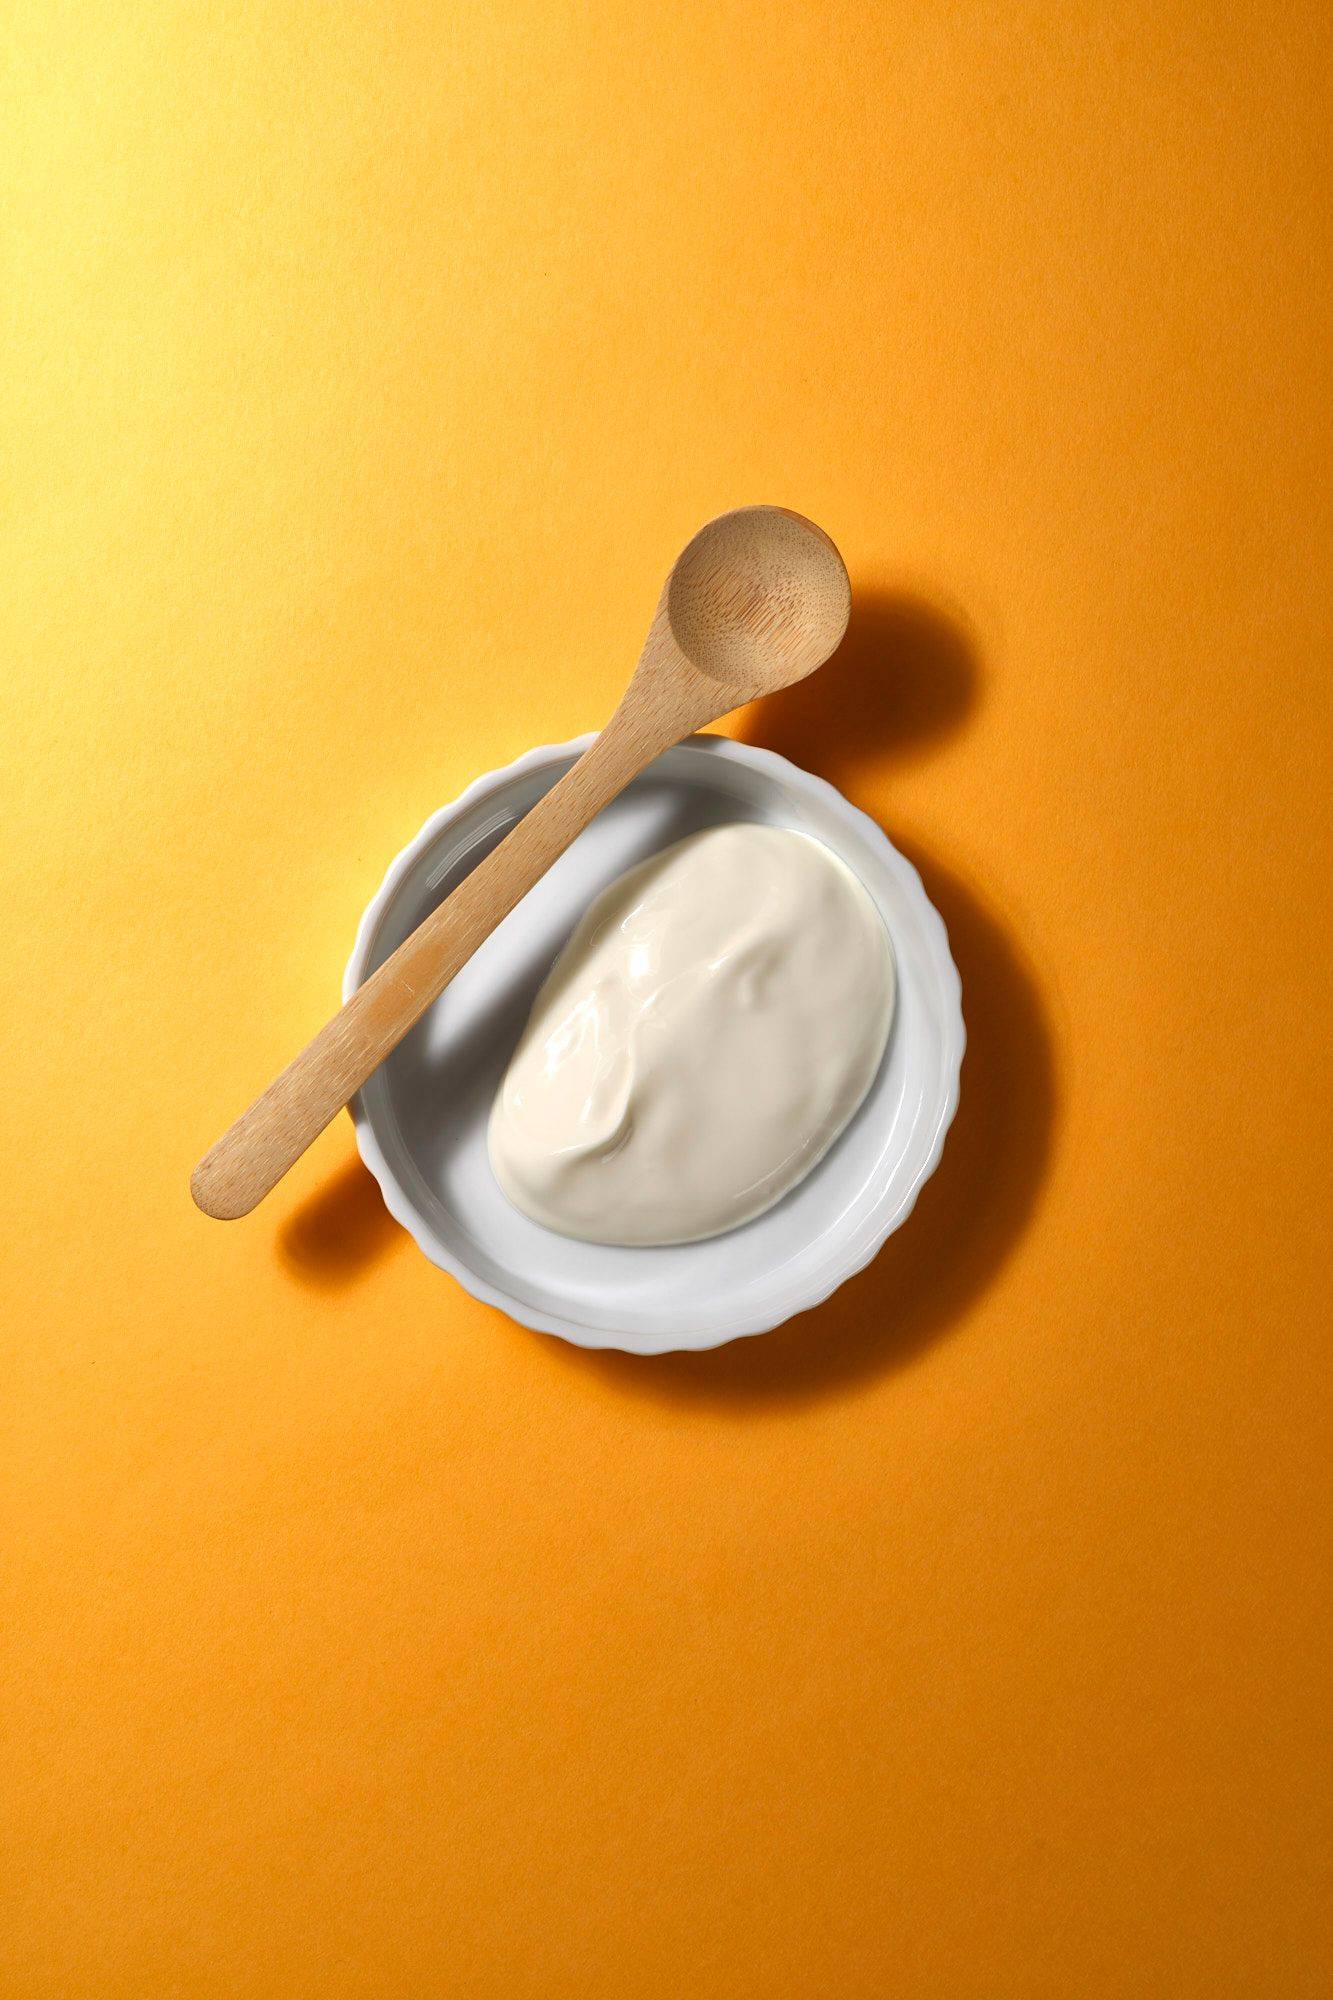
(704, 1337)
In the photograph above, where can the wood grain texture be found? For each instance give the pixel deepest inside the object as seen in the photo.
(758, 599)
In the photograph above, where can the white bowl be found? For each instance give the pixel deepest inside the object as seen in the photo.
(421, 1120)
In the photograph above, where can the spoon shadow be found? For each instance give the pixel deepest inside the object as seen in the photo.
(336, 1234)
(917, 678)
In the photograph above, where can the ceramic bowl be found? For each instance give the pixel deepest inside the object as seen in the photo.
(421, 1120)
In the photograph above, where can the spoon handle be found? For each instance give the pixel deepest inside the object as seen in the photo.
(253, 1154)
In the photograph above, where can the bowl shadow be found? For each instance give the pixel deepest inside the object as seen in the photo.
(969, 1219)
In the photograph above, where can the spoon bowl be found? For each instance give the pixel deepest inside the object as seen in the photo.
(758, 599)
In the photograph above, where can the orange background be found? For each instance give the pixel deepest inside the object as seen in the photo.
(365, 366)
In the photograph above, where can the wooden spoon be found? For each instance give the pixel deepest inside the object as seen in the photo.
(757, 600)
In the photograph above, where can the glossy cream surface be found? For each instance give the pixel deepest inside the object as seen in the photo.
(709, 1030)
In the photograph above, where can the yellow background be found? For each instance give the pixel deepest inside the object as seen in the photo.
(364, 367)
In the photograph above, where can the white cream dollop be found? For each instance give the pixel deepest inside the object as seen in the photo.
(706, 1034)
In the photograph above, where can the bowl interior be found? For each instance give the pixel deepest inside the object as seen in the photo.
(422, 1118)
